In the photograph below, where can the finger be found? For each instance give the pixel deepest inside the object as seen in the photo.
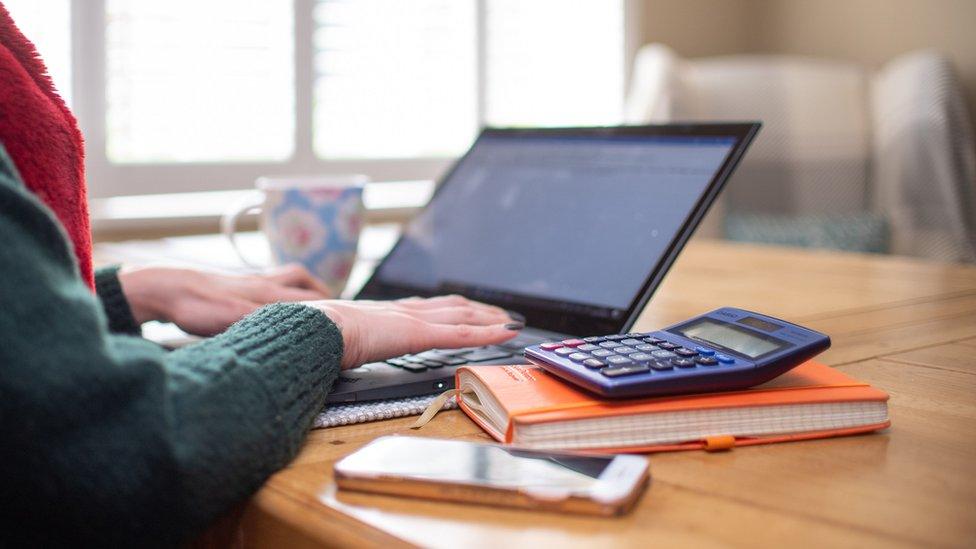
(237, 309)
(297, 276)
(446, 336)
(210, 317)
(461, 315)
(442, 301)
(272, 293)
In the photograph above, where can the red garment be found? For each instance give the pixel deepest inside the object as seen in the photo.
(42, 138)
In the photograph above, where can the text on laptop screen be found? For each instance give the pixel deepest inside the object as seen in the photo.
(569, 219)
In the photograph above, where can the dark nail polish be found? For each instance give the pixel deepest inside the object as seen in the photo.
(516, 316)
(515, 326)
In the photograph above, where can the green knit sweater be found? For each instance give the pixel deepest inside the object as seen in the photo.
(107, 438)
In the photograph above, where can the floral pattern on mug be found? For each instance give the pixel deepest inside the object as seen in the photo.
(301, 233)
(323, 196)
(317, 227)
(349, 219)
(334, 269)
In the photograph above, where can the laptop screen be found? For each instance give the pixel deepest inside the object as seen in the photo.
(570, 223)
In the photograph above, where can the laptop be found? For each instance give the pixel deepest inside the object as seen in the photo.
(573, 228)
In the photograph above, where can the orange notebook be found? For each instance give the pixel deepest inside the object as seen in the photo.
(525, 406)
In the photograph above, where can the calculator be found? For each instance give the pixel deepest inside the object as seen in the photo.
(724, 350)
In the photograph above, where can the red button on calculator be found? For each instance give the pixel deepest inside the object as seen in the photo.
(550, 346)
(573, 342)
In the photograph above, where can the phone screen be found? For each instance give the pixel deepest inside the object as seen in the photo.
(480, 464)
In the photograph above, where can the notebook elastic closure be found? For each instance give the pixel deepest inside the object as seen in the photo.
(436, 406)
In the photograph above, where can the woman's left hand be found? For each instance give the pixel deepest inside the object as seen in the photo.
(207, 303)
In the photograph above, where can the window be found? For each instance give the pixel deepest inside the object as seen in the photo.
(553, 62)
(185, 95)
(191, 81)
(48, 24)
(394, 78)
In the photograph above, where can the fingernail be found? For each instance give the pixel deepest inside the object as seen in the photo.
(516, 316)
(514, 326)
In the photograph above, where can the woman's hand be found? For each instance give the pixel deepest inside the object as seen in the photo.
(377, 330)
(206, 303)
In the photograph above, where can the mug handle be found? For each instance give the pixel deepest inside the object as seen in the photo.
(228, 223)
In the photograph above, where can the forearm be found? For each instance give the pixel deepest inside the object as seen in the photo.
(134, 445)
(115, 304)
(128, 443)
(242, 402)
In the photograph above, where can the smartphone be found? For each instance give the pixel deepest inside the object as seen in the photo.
(491, 474)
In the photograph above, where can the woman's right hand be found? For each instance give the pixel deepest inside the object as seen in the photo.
(378, 330)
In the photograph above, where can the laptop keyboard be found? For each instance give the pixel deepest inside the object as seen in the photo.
(439, 358)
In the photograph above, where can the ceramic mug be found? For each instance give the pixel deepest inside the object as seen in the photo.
(312, 220)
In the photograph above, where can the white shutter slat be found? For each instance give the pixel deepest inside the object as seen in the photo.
(47, 24)
(554, 62)
(190, 81)
(394, 78)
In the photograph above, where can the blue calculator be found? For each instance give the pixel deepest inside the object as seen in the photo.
(723, 350)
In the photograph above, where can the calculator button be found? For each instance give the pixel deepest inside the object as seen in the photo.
(579, 357)
(413, 359)
(724, 359)
(433, 363)
(609, 344)
(653, 340)
(645, 347)
(661, 353)
(683, 362)
(661, 365)
(587, 347)
(414, 367)
(622, 350)
(641, 357)
(618, 371)
(704, 351)
(616, 337)
(706, 360)
(550, 346)
(681, 351)
(594, 363)
(668, 346)
(453, 361)
(573, 342)
(564, 351)
(617, 360)
(397, 361)
(594, 339)
(630, 341)
(602, 352)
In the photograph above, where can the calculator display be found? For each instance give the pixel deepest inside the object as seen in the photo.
(731, 337)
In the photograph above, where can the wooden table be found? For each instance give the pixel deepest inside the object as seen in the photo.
(906, 326)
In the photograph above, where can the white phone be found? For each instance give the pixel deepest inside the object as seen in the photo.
(495, 475)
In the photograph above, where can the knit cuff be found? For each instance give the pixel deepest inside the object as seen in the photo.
(114, 303)
(303, 346)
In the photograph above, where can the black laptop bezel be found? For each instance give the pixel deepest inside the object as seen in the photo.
(572, 318)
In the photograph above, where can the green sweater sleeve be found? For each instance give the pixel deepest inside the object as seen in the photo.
(108, 439)
(114, 303)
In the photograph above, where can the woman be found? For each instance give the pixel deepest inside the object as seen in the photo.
(109, 439)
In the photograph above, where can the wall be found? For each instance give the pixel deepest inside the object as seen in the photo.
(696, 28)
(873, 31)
(869, 31)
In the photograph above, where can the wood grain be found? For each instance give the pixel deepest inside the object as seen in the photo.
(906, 326)
(908, 485)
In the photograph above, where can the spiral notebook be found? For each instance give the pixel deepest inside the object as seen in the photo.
(375, 410)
